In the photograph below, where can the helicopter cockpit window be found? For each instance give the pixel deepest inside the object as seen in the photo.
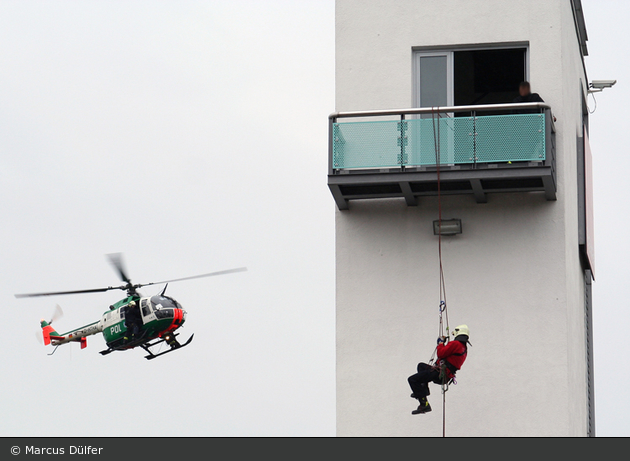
(163, 302)
(164, 313)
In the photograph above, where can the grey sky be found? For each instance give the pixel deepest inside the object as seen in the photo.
(191, 136)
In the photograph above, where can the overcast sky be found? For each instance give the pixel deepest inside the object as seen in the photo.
(191, 136)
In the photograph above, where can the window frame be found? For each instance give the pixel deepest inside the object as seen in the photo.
(449, 52)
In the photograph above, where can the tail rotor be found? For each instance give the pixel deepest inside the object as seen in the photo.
(57, 314)
(47, 329)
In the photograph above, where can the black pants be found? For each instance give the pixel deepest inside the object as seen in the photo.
(419, 382)
(133, 328)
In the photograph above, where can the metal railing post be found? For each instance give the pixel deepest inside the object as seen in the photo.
(331, 125)
(474, 117)
(403, 132)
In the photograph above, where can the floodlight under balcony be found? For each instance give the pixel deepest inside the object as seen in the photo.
(448, 227)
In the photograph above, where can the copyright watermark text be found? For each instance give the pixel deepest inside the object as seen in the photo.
(70, 450)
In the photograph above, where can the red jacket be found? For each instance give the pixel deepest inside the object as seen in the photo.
(454, 353)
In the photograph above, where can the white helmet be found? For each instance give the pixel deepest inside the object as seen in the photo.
(461, 330)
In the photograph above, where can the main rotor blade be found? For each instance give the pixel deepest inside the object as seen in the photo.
(116, 260)
(211, 274)
(55, 293)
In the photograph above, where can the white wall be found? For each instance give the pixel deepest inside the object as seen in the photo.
(513, 275)
(573, 88)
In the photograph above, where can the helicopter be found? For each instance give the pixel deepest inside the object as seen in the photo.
(135, 321)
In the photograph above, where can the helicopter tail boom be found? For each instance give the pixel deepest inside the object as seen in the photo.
(78, 335)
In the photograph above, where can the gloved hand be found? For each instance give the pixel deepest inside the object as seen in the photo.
(441, 339)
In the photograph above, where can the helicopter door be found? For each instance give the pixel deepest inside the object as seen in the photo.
(147, 311)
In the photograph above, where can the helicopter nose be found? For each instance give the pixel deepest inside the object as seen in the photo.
(180, 317)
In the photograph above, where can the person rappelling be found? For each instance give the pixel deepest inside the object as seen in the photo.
(450, 358)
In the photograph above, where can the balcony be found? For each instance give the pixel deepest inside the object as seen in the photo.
(480, 150)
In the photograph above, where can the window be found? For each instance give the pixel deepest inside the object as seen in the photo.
(160, 302)
(165, 313)
(487, 76)
(586, 241)
(146, 307)
(468, 76)
(433, 79)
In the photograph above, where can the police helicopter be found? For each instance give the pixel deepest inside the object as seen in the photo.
(135, 321)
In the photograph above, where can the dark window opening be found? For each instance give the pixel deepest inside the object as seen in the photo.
(487, 76)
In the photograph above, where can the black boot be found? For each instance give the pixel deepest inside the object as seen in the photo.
(424, 407)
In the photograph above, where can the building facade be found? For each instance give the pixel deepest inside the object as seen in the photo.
(421, 83)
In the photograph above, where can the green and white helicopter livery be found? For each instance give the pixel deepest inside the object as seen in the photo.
(131, 322)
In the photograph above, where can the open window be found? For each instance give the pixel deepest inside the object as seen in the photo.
(487, 76)
(468, 76)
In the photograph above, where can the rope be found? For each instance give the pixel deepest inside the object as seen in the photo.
(442, 294)
(444, 405)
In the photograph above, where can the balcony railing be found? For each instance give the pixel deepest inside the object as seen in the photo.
(516, 142)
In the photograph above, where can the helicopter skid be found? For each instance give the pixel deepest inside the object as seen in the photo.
(172, 342)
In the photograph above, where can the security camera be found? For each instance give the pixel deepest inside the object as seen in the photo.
(601, 84)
